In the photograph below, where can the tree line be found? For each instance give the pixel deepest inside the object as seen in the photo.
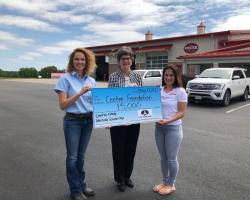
(30, 72)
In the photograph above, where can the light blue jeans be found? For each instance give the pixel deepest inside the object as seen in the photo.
(77, 134)
(168, 139)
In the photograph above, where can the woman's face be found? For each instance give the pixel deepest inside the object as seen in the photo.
(169, 77)
(125, 62)
(79, 62)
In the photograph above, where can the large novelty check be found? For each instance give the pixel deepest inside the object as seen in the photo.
(126, 105)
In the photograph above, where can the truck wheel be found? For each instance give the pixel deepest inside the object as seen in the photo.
(244, 97)
(227, 98)
(190, 101)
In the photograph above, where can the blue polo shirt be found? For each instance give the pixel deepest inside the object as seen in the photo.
(71, 83)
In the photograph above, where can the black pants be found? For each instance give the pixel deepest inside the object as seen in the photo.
(124, 141)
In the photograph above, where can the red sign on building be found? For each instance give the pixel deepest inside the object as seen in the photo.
(191, 48)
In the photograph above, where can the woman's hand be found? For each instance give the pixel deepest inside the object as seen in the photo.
(182, 106)
(163, 122)
(65, 102)
(132, 84)
(85, 89)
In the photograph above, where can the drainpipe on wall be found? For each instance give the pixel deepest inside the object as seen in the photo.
(215, 65)
(184, 68)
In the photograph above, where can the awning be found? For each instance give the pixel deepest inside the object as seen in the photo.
(102, 53)
(152, 49)
(217, 55)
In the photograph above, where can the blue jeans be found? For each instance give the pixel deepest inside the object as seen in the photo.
(168, 139)
(77, 133)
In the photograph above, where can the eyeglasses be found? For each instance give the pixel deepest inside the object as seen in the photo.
(125, 58)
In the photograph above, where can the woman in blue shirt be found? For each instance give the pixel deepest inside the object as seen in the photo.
(74, 92)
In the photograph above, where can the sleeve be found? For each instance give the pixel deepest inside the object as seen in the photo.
(62, 85)
(182, 95)
(94, 84)
(111, 81)
(92, 81)
(139, 80)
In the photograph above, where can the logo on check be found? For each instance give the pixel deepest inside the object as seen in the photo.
(145, 113)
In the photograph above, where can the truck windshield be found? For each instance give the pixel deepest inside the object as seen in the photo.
(223, 74)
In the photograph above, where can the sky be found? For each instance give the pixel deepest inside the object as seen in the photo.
(40, 33)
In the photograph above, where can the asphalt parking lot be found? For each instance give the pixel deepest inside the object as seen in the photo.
(214, 156)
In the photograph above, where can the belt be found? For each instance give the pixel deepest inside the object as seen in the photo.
(80, 116)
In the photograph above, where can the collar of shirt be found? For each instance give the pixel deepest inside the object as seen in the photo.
(122, 74)
(74, 73)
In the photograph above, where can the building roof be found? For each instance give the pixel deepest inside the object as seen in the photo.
(136, 49)
(143, 43)
(227, 43)
(153, 48)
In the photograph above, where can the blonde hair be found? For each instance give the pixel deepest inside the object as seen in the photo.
(90, 61)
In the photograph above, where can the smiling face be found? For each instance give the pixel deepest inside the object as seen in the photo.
(125, 63)
(79, 62)
(169, 77)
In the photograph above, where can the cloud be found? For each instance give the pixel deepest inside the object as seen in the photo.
(111, 37)
(128, 9)
(93, 22)
(10, 39)
(27, 6)
(224, 2)
(67, 17)
(59, 48)
(233, 23)
(3, 47)
(171, 1)
(225, 5)
(27, 23)
(61, 11)
(29, 56)
(64, 46)
(86, 11)
(112, 32)
(134, 22)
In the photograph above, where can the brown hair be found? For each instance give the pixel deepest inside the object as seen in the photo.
(124, 50)
(90, 61)
(177, 76)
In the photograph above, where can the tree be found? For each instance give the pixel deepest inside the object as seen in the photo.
(1, 73)
(46, 71)
(28, 72)
(12, 74)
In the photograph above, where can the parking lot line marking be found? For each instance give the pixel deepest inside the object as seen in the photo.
(237, 108)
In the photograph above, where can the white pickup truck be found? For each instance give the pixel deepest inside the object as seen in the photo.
(219, 84)
(150, 77)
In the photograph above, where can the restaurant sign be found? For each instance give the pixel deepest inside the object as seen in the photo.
(191, 48)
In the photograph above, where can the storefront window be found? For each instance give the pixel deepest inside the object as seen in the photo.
(192, 70)
(156, 62)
